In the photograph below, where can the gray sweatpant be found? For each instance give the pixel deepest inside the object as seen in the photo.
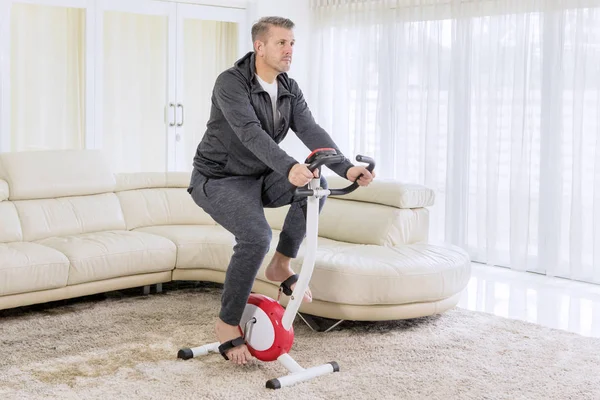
(236, 203)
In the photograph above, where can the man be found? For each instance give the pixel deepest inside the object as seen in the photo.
(239, 169)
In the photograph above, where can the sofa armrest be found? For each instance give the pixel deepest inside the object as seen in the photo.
(387, 192)
(4, 192)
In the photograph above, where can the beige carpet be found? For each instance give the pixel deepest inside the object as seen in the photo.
(124, 347)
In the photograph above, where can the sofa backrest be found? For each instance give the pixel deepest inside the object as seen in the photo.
(365, 223)
(150, 199)
(10, 228)
(387, 192)
(59, 193)
(63, 192)
(58, 173)
(385, 213)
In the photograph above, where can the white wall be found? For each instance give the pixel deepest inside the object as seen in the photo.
(220, 3)
(299, 12)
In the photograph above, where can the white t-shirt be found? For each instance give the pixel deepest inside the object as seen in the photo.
(271, 88)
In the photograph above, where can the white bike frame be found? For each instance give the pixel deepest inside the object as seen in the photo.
(312, 233)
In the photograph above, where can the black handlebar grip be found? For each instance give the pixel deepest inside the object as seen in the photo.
(304, 192)
(367, 160)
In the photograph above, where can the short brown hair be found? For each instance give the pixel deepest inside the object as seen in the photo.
(261, 27)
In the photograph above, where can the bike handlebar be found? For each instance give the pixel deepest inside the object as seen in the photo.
(325, 160)
(334, 160)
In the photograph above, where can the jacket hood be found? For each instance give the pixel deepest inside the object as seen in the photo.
(247, 67)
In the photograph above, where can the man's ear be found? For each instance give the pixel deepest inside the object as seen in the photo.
(258, 46)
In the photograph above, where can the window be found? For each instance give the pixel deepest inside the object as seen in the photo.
(496, 108)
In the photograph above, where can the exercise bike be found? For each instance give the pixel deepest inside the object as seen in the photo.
(266, 327)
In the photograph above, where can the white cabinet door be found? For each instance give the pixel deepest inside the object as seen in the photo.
(135, 84)
(209, 40)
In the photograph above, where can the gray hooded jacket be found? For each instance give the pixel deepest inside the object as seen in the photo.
(240, 137)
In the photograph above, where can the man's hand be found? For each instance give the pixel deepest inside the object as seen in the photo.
(300, 175)
(366, 178)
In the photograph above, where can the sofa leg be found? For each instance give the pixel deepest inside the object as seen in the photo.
(147, 289)
(318, 324)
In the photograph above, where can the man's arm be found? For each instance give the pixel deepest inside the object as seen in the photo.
(310, 133)
(233, 99)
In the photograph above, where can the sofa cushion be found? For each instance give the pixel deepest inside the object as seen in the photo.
(10, 228)
(344, 273)
(58, 173)
(29, 267)
(112, 254)
(208, 247)
(167, 206)
(364, 223)
(41, 219)
(372, 275)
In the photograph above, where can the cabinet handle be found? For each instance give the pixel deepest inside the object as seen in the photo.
(174, 114)
(182, 114)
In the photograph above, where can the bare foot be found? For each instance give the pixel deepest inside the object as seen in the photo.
(225, 332)
(279, 269)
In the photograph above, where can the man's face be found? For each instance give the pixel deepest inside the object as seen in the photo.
(278, 49)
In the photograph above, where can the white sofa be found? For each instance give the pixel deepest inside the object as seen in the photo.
(70, 227)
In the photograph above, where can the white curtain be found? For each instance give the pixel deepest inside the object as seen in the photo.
(494, 104)
(47, 77)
